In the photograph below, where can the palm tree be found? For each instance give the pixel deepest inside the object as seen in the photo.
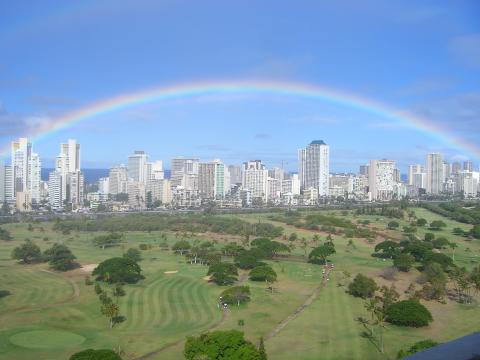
(453, 246)
(110, 311)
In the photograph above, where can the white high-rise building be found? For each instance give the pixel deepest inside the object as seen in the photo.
(413, 169)
(291, 185)
(419, 180)
(103, 185)
(34, 178)
(55, 190)
(184, 172)
(157, 170)
(9, 184)
(71, 151)
(434, 171)
(2, 183)
(235, 172)
(21, 153)
(314, 167)
(254, 179)
(118, 179)
(381, 180)
(138, 170)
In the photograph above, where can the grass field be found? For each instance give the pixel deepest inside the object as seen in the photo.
(166, 307)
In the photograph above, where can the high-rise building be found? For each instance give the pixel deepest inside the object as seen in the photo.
(138, 170)
(9, 184)
(277, 173)
(34, 177)
(212, 178)
(55, 190)
(2, 183)
(157, 170)
(118, 179)
(381, 179)
(136, 195)
(468, 166)
(71, 151)
(235, 172)
(434, 173)
(456, 167)
(21, 153)
(184, 172)
(291, 185)
(314, 165)
(413, 169)
(254, 179)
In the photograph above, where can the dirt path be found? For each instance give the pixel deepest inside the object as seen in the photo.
(301, 308)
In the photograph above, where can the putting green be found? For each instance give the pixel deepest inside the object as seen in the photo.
(46, 339)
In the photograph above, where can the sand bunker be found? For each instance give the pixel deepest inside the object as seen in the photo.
(89, 267)
(171, 272)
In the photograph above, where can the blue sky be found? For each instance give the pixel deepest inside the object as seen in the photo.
(417, 56)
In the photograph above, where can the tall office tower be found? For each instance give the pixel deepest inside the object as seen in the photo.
(61, 168)
(302, 155)
(456, 167)
(157, 170)
(118, 179)
(9, 184)
(76, 185)
(445, 171)
(381, 179)
(434, 173)
(277, 173)
(71, 151)
(137, 167)
(254, 179)
(34, 177)
(413, 169)
(21, 153)
(364, 169)
(468, 166)
(55, 190)
(2, 183)
(212, 179)
(235, 172)
(314, 166)
(183, 172)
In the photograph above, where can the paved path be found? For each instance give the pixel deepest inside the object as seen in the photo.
(301, 308)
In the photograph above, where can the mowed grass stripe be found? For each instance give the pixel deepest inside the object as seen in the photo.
(186, 301)
(173, 307)
(198, 306)
(165, 306)
(182, 311)
(206, 310)
(152, 308)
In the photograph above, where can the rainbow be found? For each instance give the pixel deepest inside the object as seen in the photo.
(287, 89)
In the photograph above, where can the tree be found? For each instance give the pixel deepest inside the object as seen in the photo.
(111, 239)
(5, 235)
(220, 345)
(263, 273)
(421, 222)
(429, 236)
(60, 257)
(453, 246)
(475, 231)
(247, 260)
(118, 270)
(320, 254)
(110, 310)
(223, 273)
(389, 248)
(437, 225)
(28, 252)
(118, 291)
(90, 354)
(408, 313)
(404, 262)
(133, 254)
(392, 225)
(181, 246)
(236, 295)
(362, 286)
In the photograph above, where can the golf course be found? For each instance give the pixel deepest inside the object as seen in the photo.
(306, 312)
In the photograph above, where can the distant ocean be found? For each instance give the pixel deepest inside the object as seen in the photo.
(91, 175)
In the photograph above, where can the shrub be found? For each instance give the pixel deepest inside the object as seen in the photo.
(236, 295)
(263, 273)
(404, 262)
(362, 286)
(133, 254)
(408, 313)
(91, 354)
(417, 347)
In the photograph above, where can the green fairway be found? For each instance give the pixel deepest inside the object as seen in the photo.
(46, 339)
